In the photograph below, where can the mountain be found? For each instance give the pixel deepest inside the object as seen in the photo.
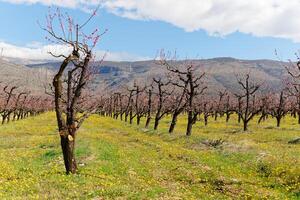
(220, 72)
(25, 78)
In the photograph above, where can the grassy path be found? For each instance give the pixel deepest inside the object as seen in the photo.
(121, 161)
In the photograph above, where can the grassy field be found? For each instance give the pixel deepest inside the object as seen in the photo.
(121, 161)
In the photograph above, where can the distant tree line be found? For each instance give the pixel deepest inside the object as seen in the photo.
(183, 90)
(17, 104)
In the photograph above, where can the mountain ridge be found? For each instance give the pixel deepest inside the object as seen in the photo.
(220, 71)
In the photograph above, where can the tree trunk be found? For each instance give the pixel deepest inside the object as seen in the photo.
(173, 122)
(262, 118)
(3, 119)
(156, 122)
(148, 121)
(205, 120)
(138, 120)
(189, 124)
(68, 149)
(278, 119)
(130, 117)
(245, 125)
(14, 116)
(294, 114)
(227, 117)
(8, 118)
(149, 109)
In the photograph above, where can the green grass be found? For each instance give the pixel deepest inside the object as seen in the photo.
(121, 161)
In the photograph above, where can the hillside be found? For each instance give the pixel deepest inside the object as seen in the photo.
(122, 161)
(25, 78)
(220, 72)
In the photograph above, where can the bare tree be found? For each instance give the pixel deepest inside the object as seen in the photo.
(248, 107)
(279, 107)
(139, 104)
(149, 106)
(228, 106)
(129, 106)
(207, 109)
(293, 85)
(9, 94)
(178, 104)
(190, 82)
(220, 104)
(293, 90)
(162, 96)
(71, 79)
(265, 106)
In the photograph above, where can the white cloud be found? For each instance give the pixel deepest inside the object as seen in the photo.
(276, 18)
(29, 52)
(37, 51)
(62, 3)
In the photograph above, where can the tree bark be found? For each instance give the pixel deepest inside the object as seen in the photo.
(138, 120)
(148, 121)
(173, 122)
(205, 120)
(68, 149)
(278, 119)
(227, 117)
(156, 122)
(190, 124)
(245, 125)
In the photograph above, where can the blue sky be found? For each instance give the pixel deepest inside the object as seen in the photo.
(131, 38)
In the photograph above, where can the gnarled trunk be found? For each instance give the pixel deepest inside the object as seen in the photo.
(68, 149)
